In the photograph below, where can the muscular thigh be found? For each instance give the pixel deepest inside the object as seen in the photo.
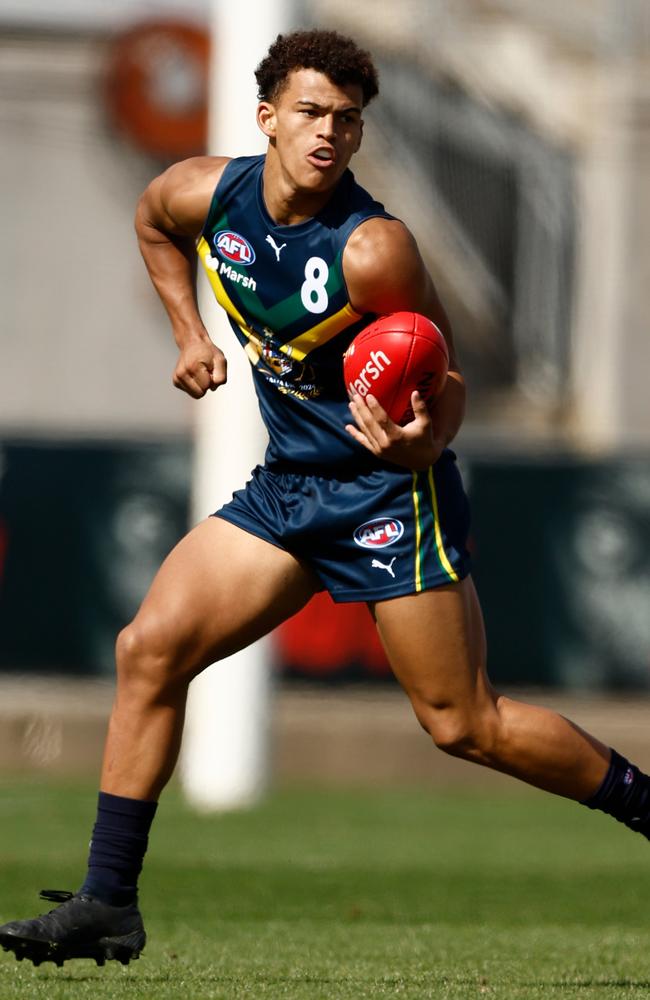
(220, 589)
(435, 643)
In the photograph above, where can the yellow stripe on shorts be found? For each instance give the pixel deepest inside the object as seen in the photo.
(440, 549)
(418, 535)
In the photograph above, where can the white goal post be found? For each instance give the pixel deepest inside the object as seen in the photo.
(224, 759)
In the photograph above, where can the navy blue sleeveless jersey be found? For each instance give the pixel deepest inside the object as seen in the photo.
(284, 292)
(320, 495)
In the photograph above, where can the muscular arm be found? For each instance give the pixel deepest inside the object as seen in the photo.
(169, 218)
(385, 273)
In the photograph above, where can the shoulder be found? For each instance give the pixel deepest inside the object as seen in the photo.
(383, 269)
(180, 198)
(384, 272)
(196, 173)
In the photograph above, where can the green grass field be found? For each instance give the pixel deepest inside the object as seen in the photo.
(350, 895)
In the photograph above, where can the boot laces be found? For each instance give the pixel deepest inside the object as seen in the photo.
(56, 895)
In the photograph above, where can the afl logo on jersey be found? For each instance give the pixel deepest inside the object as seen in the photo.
(234, 247)
(379, 533)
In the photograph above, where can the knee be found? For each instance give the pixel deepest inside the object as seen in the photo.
(144, 658)
(470, 733)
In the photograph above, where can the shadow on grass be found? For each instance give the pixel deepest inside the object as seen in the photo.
(595, 984)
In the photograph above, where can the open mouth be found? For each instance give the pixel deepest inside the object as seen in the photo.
(322, 157)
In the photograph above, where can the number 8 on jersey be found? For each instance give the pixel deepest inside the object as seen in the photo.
(313, 294)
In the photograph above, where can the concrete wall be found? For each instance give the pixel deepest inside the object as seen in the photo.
(85, 345)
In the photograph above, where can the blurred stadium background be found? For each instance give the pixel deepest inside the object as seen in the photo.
(514, 138)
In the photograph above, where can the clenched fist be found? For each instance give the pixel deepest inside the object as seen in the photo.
(201, 366)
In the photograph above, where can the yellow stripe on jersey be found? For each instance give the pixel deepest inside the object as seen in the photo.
(318, 335)
(223, 298)
(418, 535)
(300, 346)
(253, 348)
(442, 555)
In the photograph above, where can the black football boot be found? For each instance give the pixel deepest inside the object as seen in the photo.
(81, 927)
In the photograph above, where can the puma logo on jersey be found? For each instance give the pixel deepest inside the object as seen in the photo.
(278, 249)
(376, 564)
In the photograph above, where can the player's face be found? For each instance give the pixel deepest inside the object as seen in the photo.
(314, 126)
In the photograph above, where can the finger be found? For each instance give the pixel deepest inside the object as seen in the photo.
(365, 421)
(363, 414)
(384, 430)
(419, 407)
(379, 413)
(357, 408)
(361, 438)
(217, 378)
(218, 373)
(201, 374)
(192, 389)
(187, 383)
(421, 419)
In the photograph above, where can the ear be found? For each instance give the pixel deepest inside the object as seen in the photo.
(266, 119)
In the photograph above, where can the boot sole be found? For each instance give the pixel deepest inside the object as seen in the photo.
(120, 949)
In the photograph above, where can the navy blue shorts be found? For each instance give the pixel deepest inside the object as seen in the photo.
(376, 534)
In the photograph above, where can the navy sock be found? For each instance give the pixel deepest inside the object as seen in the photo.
(117, 849)
(625, 795)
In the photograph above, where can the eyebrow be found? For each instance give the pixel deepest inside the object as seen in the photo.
(321, 107)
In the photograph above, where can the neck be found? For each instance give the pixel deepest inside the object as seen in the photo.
(287, 204)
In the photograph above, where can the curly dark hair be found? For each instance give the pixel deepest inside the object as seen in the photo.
(335, 55)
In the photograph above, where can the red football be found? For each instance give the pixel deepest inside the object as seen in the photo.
(394, 356)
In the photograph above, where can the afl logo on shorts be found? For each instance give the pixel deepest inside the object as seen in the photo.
(379, 533)
(234, 247)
